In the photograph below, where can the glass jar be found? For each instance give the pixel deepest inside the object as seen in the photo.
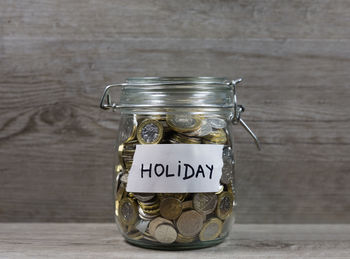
(174, 171)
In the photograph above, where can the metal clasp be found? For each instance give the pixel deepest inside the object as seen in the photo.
(237, 110)
(107, 104)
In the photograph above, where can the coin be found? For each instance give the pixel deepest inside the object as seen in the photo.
(183, 122)
(217, 137)
(187, 205)
(204, 203)
(170, 208)
(180, 138)
(128, 131)
(144, 196)
(182, 239)
(227, 225)
(155, 223)
(142, 225)
(150, 132)
(145, 216)
(216, 123)
(124, 178)
(225, 205)
(157, 117)
(189, 223)
(179, 196)
(151, 208)
(120, 193)
(203, 130)
(220, 190)
(136, 235)
(165, 234)
(118, 168)
(227, 171)
(116, 207)
(211, 229)
(127, 211)
(120, 155)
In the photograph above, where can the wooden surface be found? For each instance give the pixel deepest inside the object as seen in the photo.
(52, 240)
(55, 57)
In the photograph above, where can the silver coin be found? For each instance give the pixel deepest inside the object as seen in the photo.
(204, 130)
(165, 234)
(227, 171)
(226, 226)
(211, 229)
(143, 215)
(217, 123)
(155, 223)
(142, 225)
(124, 178)
(144, 196)
(128, 128)
(150, 133)
(183, 122)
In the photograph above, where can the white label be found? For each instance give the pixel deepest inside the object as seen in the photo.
(176, 168)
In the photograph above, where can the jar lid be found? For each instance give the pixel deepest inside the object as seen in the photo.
(150, 94)
(176, 92)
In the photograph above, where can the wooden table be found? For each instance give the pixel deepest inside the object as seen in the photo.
(77, 240)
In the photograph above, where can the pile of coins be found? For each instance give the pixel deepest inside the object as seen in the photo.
(166, 218)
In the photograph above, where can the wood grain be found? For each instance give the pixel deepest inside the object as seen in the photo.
(56, 146)
(103, 241)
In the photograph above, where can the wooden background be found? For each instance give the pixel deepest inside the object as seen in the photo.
(56, 56)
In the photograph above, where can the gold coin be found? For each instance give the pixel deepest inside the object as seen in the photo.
(155, 223)
(120, 155)
(217, 134)
(215, 141)
(150, 132)
(127, 211)
(179, 196)
(183, 122)
(217, 137)
(225, 205)
(220, 190)
(229, 188)
(152, 212)
(170, 208)
(179, 138)
(205, 203)
(211, 229)
(128, 165)
(182, 239)
(146, 216)
(116, 207)
(120, 193)
(135, 235)
(189, 223)
(118, 168)
(149, 206)
(187, 205)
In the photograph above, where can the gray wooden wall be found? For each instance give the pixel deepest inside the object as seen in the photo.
(56, 56)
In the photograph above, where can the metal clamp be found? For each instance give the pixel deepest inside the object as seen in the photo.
(108, 104)
(237, 110)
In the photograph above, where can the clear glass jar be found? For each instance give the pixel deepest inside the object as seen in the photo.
(174, 170)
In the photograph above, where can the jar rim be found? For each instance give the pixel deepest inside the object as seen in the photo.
(170, 80)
